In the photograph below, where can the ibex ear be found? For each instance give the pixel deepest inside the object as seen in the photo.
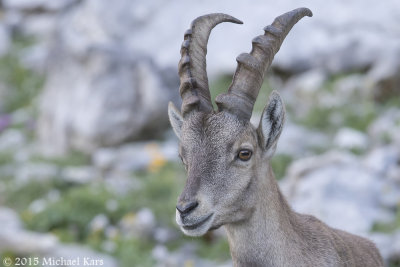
(175, 119)
(271, 123)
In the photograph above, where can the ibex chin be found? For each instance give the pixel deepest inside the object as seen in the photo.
(229, 178)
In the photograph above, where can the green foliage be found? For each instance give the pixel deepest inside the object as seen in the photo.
(134, 252)
(6, 157)
(221, 85)
(73, 158)
(159, 192)
(388, 227)
(19, 197)
(74, 210)
(69, 217)
(216, 250)
(23, 84)
(357, 116)
(357, 110)
(279, 164)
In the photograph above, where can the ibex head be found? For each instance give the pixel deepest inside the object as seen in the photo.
(224, 154)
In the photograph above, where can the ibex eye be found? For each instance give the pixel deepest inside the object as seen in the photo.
(244, 154)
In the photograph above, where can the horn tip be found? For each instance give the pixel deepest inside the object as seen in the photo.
(235, 20)
(232, 19)
(306, 11)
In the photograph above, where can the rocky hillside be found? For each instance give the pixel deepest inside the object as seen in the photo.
(89, 166)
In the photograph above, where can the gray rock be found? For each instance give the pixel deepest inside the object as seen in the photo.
(297, 140)
(135, 156)
(385, 78)
(303, 86)
(351, 85)
(32, 5)
(142, 224)
(108, 246)
(164, 235)
(337, 184)
(349, 138)
(160, 253)
(25, 242)
(37, 206)
(14, 238)
(394, 174)
(80, 174)
(119, 83)
(98, 223)
(11, 140)
(381, 159)
(104, 158)
(20, 241)
(122, 183)
(115, 99)
(35, 171)
(9, 219)
(386, 128)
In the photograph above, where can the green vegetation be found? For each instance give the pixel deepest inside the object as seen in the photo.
(134, 252)
(19, 197)
(357, 116)
(222, 84)
(219, 252)
(6, 157)
(279, 164)
(74, 210)
(74, 158)
(388, 227)
(24, 83)
(69, 216)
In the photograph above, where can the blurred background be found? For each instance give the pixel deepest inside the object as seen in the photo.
(89, 164)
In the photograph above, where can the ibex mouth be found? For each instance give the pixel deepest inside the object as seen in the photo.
(197, 224)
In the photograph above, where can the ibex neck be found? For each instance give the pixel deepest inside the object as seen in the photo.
(260, 239)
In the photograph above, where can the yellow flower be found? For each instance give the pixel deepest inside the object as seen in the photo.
(157, 158)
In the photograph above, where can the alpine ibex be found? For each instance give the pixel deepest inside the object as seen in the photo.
(229, 178)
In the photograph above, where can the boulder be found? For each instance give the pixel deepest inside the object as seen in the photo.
(349, 138)
(111, 69)
(336, 184)
(108, 100)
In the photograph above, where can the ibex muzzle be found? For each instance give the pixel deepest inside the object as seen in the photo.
(229, 178)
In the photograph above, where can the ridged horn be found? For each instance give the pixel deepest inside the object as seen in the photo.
(193, 88)
(249, 74)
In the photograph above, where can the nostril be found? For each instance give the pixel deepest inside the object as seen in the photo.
(185, 208)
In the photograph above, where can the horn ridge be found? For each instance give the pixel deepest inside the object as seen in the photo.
(194, 88)
(251, 68)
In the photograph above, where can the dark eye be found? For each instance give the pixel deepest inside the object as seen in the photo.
(244, 154)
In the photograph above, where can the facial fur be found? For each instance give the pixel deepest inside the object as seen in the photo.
(216, 178)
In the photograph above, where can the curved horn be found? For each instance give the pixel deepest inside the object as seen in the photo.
(251, 68)
(192, 66)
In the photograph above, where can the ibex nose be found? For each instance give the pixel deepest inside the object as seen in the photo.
(185, 208)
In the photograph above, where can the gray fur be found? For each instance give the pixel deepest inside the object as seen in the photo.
(244, 197)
